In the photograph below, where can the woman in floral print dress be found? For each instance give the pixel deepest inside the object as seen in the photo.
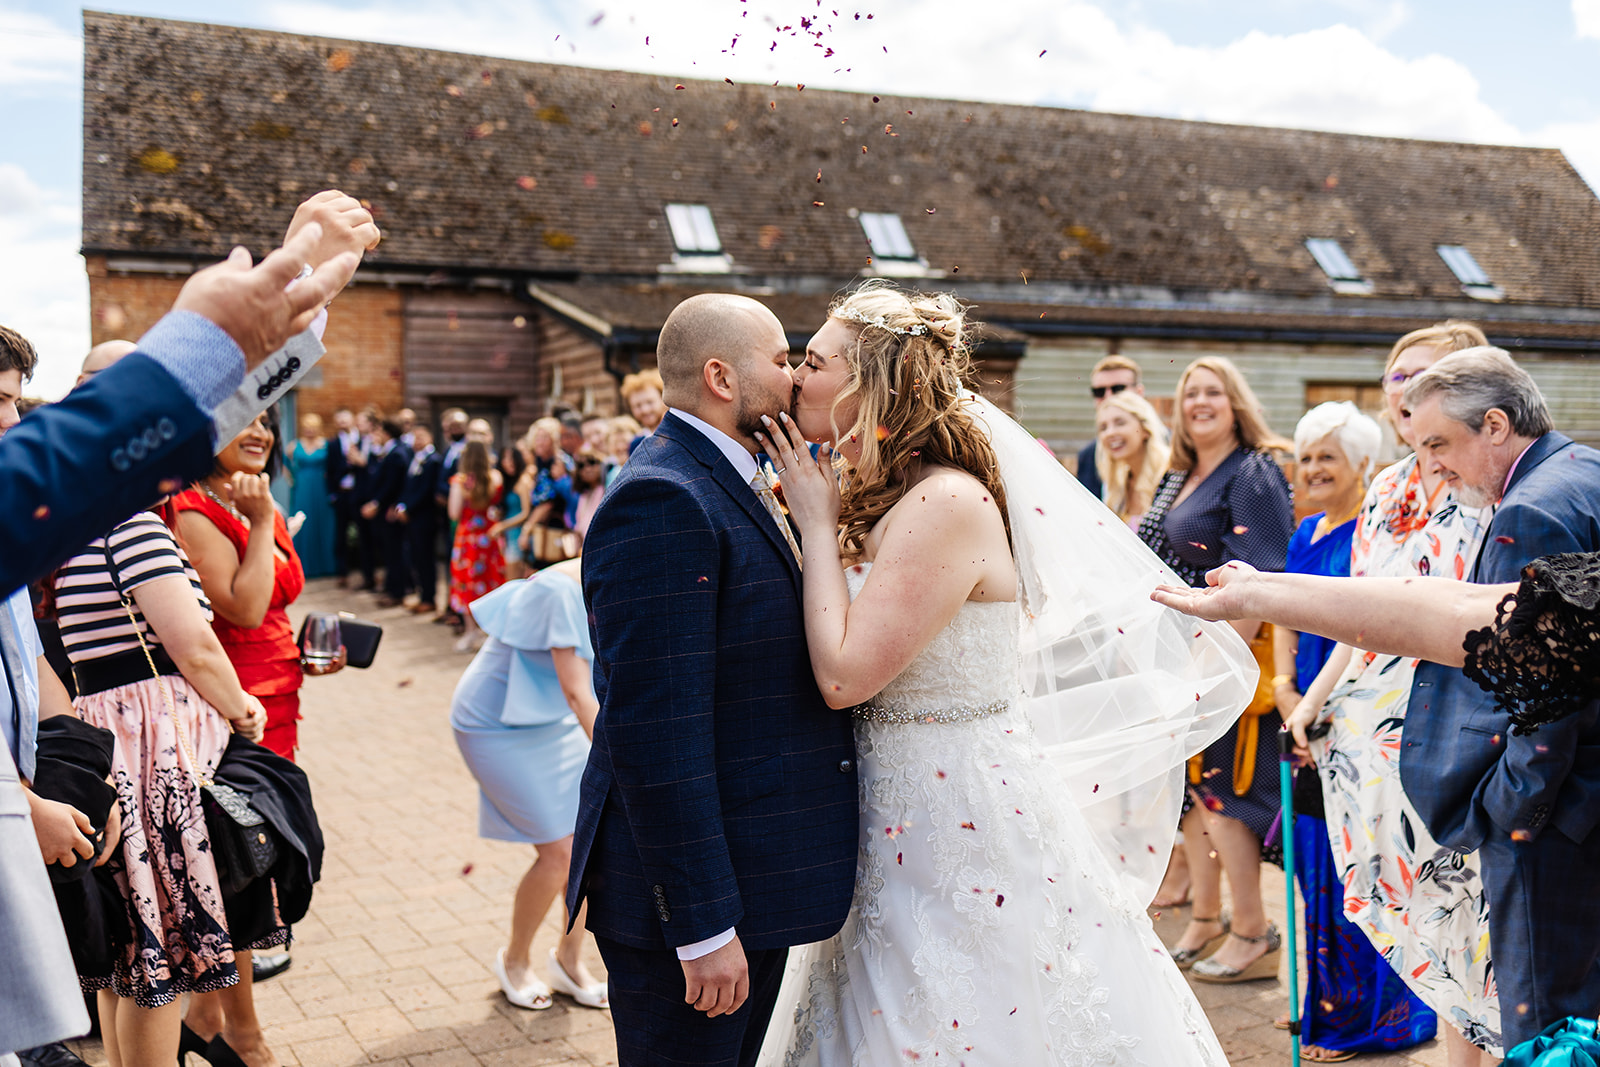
(1421, 904)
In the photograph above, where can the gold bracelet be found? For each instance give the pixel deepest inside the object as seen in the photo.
(1280, 680)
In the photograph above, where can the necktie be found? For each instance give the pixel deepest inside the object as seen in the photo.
(769, 500)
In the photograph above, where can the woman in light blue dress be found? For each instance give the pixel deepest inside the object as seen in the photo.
(523, 714)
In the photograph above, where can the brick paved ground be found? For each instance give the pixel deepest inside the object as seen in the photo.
(393, 964)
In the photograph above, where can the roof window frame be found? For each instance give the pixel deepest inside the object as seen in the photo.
(1331, 258)
(890, 247)
(1475, 281)
(696, 244)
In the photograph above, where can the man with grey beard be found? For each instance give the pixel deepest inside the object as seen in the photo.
(1528, 803)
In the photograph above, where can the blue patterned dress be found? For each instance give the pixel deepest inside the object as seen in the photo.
(1354, 1000)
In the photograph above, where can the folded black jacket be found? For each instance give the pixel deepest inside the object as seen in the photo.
(280, 791)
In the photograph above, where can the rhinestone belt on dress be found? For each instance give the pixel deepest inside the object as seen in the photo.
(903, 716)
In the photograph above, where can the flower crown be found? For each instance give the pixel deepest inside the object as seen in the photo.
(855, 315)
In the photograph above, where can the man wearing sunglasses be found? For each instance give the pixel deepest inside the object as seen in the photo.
(1111, 375)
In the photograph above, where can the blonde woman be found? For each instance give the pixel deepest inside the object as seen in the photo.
(1132, 454)
(989, 914)
(1225, 498)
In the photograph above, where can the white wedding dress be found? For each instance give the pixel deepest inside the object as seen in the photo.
(988, 927)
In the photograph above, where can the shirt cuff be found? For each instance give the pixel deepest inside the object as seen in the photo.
(706, 947)
(199, 355)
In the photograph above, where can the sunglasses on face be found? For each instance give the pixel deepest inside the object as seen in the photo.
(589, 463)
(1099, 391)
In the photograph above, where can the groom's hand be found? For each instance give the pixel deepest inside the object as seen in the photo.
(718, 982)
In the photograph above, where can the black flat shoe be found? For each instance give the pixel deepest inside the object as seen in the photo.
(221, 1054)
(53, 1055)
(264, 966)
(189, 1041)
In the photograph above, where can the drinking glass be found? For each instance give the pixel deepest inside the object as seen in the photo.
(322, 640)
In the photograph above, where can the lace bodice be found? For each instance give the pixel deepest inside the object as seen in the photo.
(971, 664)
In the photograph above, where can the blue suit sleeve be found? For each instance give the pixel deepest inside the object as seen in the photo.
(651, 577)
(72, 470)
(1519, 793)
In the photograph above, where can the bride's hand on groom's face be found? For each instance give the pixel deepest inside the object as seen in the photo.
(810, 486)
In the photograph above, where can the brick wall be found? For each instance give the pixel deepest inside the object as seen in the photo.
(365, 332)
(363, 337)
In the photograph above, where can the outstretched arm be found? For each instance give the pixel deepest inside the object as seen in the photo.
(1427, 618)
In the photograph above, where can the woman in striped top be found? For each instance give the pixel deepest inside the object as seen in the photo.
(171, 700)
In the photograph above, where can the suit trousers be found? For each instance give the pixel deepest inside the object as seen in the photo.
(655, 1026)
(396, 570)
(1544, 928)
(344, 513)
(422, 554)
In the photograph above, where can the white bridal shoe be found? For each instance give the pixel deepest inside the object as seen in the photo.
(535, 996)
(590, 996)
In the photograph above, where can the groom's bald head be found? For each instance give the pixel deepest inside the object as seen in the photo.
(721, 326)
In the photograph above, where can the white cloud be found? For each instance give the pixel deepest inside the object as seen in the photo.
(1586, 15)
(36, 52)
(44, 294)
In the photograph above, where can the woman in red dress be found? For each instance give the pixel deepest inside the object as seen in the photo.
(240, 545)
(476, 562)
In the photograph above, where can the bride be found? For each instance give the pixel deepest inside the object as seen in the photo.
(1021, 721)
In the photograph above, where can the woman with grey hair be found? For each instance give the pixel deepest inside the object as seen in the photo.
(1354, 1002)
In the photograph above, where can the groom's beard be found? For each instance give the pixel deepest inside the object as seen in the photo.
(747, 417)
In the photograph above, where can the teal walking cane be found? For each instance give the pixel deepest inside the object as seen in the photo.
(1286, 792)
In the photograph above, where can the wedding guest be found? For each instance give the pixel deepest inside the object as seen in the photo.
(476, 566)
(641, 394)
(596, 430)
(390, 460)
(1131, 454)
(307, 463)
(1225, 498)
(341, 481)
(102, 356)
(1112, 376)
(171, 722)
(1354, 1001)
(363, 466)
(523, 715)
(618, 439)
(453, 426)
(588, 488)
(419, 514)
(571, 439)
(1429, 920)
(545, 507)
(406, 418)
(518, 480)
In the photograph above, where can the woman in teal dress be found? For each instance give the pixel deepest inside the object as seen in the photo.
(523, 714)
(307, 460)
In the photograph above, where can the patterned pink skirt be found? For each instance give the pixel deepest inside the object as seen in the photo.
(177, 930)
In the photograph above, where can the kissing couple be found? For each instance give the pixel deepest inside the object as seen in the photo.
(927, 725)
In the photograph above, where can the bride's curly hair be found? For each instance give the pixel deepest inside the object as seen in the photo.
(908, 365)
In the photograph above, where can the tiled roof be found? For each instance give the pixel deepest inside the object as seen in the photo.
(197, 137)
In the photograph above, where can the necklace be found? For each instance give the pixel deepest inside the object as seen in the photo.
(223, 504)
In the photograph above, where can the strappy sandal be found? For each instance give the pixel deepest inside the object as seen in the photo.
(1186, 957)
(1263, 966)
(1326, 1055)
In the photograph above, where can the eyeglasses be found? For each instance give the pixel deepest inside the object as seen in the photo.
(590, 463)
(1099, 391)
(1395, 381)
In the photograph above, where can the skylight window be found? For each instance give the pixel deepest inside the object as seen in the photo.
(1339, 268)
(693, 232)
(1474, 280)
(887, 236)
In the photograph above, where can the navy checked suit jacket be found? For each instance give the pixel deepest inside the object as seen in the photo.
(721, 789)
(1465, 771)
(72, 470)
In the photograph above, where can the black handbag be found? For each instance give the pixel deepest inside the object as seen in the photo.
(243, 844)
(359, 637)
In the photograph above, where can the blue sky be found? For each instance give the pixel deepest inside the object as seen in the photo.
(1463, 70)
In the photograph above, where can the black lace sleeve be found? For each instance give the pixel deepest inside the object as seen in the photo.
(1541, 658)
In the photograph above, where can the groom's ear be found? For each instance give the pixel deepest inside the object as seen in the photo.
(719, 380)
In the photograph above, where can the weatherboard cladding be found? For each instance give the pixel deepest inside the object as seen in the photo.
(197, 137)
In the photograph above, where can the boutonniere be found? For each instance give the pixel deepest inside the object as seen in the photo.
(777, 485)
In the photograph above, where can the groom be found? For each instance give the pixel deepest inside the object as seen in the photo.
(717, 824)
